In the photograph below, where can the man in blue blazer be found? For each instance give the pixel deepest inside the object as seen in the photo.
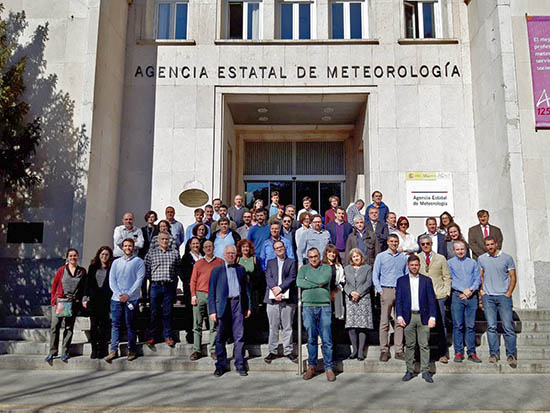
(281, 298)
(416, 311)
(228, 305)
(438, 239)
(339, 231)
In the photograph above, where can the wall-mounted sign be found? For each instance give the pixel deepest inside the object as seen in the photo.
(193, 198)
(538, 30)
(429, 193)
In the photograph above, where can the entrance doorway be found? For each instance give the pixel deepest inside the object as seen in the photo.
(293, 191)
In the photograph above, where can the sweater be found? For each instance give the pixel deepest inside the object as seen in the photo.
(57, 285)
(315, 283)
(200, 278)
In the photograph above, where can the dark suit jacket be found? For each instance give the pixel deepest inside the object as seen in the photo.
(382, 233)
(331, 227)
(218, 290)
(288, 279)
(426, 299)
(477, 240)
(441, 249)
(146, 244)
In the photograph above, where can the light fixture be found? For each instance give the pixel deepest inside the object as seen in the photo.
(263, 110)
(263, 118)
(328, 110)
(326, 118)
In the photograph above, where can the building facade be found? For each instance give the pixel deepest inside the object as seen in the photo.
(307, 97)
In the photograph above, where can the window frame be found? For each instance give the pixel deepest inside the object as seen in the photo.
(296, 18)
(418, 14)
(172, 29)
(245, 19)
(347, 21)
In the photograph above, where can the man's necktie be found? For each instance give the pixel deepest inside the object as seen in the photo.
(427, 259)
(485, 232)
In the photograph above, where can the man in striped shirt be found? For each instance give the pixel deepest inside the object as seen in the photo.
(162, 267)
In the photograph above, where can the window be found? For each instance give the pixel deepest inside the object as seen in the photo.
(349, 20)
(172, 19)
(422, 19)
(243, 19)
(297, 19)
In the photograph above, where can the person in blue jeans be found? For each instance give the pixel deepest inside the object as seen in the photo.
(465, 281)
(125, 279)
(498, 277)
(314, 280)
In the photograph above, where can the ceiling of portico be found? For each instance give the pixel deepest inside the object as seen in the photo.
(296, 109)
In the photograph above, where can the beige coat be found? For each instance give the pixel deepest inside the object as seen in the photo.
(438, 271)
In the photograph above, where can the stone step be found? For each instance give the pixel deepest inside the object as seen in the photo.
(542, 314)
(27, 321)
(527, 339)
(83, 363)
(36, 334)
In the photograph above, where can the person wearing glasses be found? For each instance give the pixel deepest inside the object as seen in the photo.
(378, 227)
(435, 266)
(314, 279)
(407, 243)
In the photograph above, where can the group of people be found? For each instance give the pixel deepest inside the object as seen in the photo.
(238, 263)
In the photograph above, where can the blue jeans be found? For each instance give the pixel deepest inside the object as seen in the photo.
(119, 310)
(318, 321)
(464, 316)
(162, 299)
(501, 305)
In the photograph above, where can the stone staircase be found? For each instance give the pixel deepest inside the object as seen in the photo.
(24, 344)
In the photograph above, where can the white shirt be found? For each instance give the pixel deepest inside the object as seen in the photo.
(407, 244)
(280, 264)
(415, 282)
(121, 233)
(435, 243)
(488, 230)
(311, 211)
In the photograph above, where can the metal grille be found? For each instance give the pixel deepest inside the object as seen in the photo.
(320, 158)
(268, 158)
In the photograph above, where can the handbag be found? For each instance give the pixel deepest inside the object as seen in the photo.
(64, 308)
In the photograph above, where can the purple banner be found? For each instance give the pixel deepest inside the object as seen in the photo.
(538, 30)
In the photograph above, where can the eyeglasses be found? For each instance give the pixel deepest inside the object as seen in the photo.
(425, 243)
(404, 224)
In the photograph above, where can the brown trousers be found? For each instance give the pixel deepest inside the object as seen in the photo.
(387, 302)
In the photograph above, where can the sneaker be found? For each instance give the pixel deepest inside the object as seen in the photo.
(243, 373)
(473, 357)
(293, 358)
(195, 355)
(49, 359)
(493, 359)
(444, 359)
(330, 375)
(111, 356)
(220, 371)
(458, 358)
(170, 342)
(151, 344)
(309, 374)
(65, 358)
(408, 376)
(385, 356)
(132, 356)
(512, 361)
(400, 356)
(270, 357)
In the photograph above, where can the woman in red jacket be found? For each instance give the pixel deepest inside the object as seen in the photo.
(66, 296)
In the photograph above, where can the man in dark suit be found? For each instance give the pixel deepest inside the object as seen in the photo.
(379, 228)
(438, 239)
(416, 311)
(339, 231)
(228, 305)
(281, 299)
(478, 233)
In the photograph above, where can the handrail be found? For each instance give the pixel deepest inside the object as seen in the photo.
(300, 363)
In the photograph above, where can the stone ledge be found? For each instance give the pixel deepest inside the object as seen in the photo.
(427, 41)
(290, 42)
(167, 42)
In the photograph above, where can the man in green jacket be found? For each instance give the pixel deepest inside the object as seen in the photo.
(314, 280)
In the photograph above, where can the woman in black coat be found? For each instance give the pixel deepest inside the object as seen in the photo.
(98, 296)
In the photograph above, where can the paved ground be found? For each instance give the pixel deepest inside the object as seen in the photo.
(271, 392)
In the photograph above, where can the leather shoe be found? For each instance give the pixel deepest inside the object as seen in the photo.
(219, 372)
(427, 376)
(330, 375)
(270, 357)
(352, 356)
(444, 359)
(243, 373)
(170, 342)
(213, 356)
(293, 358)
(385, 356)
(111, 356)
(131, 356)
(400, 356)
(310, 373)
(195, 355)
(65, 358)
(408, 376)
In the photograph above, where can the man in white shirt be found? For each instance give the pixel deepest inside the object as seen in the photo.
(438, 239)
(125, 231)
(176, 227)
(281, 299)
(416, 311)
(306, 202)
